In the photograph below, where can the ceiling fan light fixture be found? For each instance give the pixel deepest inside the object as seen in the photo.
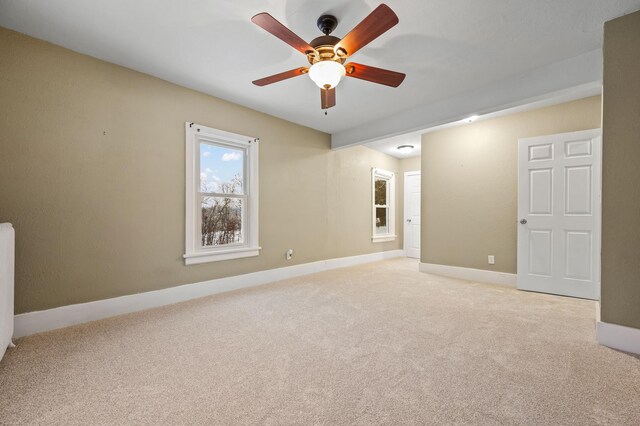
(328, 53)
(327, 74)
(405, 149)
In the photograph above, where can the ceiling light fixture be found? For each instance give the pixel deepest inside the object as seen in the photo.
(405, 149)
(327, 74)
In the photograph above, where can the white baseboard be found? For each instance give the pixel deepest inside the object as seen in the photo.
(469, 274)
(618, 337)
(64, 316)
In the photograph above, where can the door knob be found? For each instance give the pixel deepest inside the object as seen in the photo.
(408, 220)
(523, 221)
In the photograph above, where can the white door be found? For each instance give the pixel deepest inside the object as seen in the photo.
(412, 214)
(559, 214)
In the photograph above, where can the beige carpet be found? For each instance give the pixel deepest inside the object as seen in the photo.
(373, 344)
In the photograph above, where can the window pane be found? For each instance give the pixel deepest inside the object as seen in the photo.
(382, 215)
(221, 221)
(380, 192)
(221, 169)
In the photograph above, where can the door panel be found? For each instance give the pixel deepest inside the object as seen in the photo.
(541, 191)
(412, 214)
(578, 255)
(559, 214)
(578, 190)
(577, 148)
(541, 152)
(540, 252)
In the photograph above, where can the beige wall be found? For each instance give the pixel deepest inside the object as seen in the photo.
(410, 164)
(620, 300)
(469, 183)
(92, 177)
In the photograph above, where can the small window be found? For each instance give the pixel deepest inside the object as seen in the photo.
(383, 183)
(221, 195)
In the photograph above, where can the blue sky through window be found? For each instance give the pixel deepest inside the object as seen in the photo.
(219, 165)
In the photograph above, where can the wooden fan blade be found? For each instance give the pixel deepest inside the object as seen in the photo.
(271, 24)
(374, 75)
(281, 76)
(328, 98)
(371, 27)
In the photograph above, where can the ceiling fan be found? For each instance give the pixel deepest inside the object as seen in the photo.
(327, 54)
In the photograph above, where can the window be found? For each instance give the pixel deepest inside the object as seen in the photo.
(221, 195)
(384, 214)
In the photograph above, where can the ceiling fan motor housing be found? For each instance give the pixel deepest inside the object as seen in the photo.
(324, 50)
(324, 45)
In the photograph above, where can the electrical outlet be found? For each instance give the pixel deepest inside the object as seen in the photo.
(492, 260)
(289, 254)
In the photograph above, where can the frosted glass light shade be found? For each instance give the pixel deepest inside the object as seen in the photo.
(405, 149)
(325, 73)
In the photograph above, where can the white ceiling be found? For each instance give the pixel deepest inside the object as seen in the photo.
(390, 145)
(447, 48)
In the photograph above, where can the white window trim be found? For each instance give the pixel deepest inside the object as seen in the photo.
(391, 185)
(194, 253)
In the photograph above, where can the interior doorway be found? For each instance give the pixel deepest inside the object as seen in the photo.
(412, 214)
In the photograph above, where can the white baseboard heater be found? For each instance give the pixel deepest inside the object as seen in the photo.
(7, 262)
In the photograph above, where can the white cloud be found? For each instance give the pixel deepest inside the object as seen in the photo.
(216, 178)
(206, 154)
(208, 170)
(231, 156)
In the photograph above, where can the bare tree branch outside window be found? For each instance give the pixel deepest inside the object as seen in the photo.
(222, 216)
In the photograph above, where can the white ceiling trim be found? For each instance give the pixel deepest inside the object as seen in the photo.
(574, 78)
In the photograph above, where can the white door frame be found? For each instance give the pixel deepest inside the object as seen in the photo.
(407, 220)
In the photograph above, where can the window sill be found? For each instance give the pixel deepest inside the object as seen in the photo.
(383, 238)
(218, 255)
